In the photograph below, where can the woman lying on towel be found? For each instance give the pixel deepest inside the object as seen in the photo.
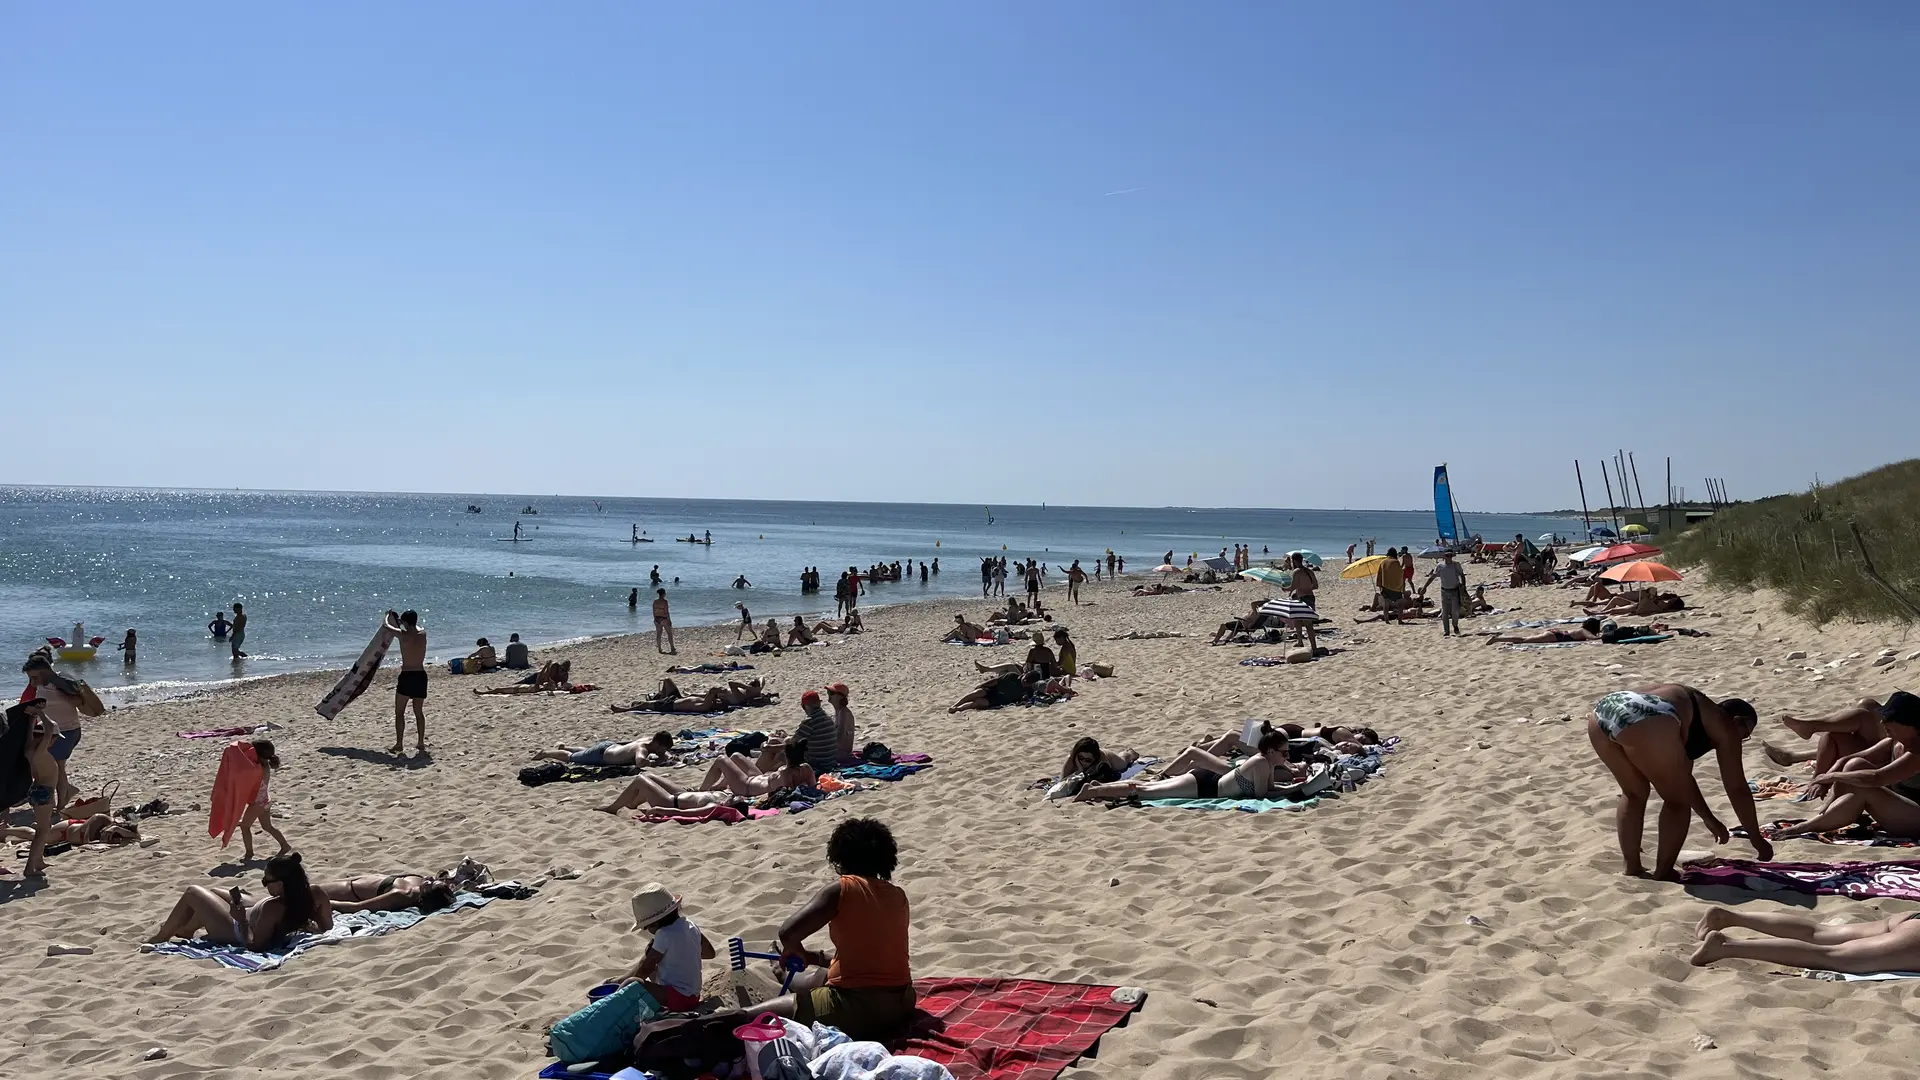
(735, 774)
(551, 678)
(868, 990)
(1641, 604)
(1882, 782)
(292, 905)
(1854, 948)
(96, 829)
(1586, 631)
(387, 892)
(1005, 688)
(1347, 740)
(1196, 774)
(668, 698)
(1098, 766)
(648, 790)
(1649, 738)
(657, 750)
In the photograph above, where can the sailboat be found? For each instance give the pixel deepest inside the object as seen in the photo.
(1447, 518)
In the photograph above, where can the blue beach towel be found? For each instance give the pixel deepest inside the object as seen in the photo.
(358, 924)
(878, 772)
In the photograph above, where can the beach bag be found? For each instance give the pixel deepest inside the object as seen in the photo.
(876, 754)
(82, 809)
(89, 703)
(605, 1027)
(750, 743)
(684, 1045)
(544, 773)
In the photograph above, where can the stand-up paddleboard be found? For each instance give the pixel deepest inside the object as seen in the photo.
(511, 540)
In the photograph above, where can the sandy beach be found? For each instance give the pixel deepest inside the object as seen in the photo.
(1460, 916)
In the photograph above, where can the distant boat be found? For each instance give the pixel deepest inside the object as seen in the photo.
(528, 510)
(472, 509)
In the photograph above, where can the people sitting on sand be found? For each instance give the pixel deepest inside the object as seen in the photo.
(291, 905)
(868, 989)
(1197, 774)
(1880, 784)
(97, 829)
(1098, 766)
(1842, 734)
(1586, 631)
(1412, 607)
(769, 638)
(964, 631)
(387, 892)
(727, 773)
(1004, 688)
(1480, 604)
(1016, 614)
(553, 677)
(657, 749)
(1649, 738)
(648, 789)
(1861, 948)
(839, 699)
(799, 634)
(482, 660)
(1040, 661)
(1158, 588)
(516, 659)
(1245, 624)
(1066, 653)
(853, 625)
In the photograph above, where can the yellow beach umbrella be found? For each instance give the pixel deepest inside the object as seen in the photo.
(1634, 530)
(1363, 568)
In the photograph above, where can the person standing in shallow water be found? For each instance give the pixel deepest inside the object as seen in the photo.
(238, 633)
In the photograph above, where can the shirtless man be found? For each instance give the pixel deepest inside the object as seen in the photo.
(657, 750)
(1075, 577)
(662, 622)
(964, 631)
(238, 634)
(413, 680)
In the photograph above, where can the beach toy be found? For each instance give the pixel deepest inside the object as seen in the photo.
(737, 955)
(770, 1054)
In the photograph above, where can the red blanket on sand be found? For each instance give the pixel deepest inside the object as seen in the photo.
(1009, 1029)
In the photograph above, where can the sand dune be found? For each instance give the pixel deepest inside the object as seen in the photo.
(1333, 941)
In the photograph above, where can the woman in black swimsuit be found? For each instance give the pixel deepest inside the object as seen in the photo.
(1196, 774)
(1649, 738)
(374, 892)
(1587, 631)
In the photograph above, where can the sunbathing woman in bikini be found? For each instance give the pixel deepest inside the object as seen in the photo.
(1854, 948)
(389, 892)
(1097, 765)
(729, 774)
(1586, 631)
(1196, 774)
(657, 750)
(292, 905)
(648, 790)
(96, 829)
(1347, 740)
(551, 677)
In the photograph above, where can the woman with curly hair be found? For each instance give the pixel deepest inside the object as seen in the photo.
(868, 991)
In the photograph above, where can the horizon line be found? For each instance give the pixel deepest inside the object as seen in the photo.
(705, 498)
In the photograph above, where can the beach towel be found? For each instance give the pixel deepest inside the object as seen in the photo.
(1009, 1029)
(358, 924)
(726, 815)
(234, 787)
(708, 668)
(1856, 880)
(1778, 787)
(1644, 639)
(1851, 836)
(358, 677)
(1263, 661)
(553, 772)
(1841, 976)
(223, 733)
(1548, 645)
(898, 771)
(1359, 767)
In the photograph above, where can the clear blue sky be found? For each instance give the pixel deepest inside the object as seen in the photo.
(867, 250)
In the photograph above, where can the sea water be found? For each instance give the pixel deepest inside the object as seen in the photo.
(316, 570)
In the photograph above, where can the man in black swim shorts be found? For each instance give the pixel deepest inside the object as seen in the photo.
(413, 680)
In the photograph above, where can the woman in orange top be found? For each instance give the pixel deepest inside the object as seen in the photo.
(868, 991)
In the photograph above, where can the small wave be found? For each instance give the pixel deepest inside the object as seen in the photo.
(152, 693)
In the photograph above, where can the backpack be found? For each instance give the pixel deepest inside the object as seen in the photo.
(876, 754)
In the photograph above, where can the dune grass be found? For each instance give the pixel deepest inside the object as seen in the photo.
(1804, 545)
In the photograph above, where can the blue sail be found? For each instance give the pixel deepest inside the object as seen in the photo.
(1443, 504)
